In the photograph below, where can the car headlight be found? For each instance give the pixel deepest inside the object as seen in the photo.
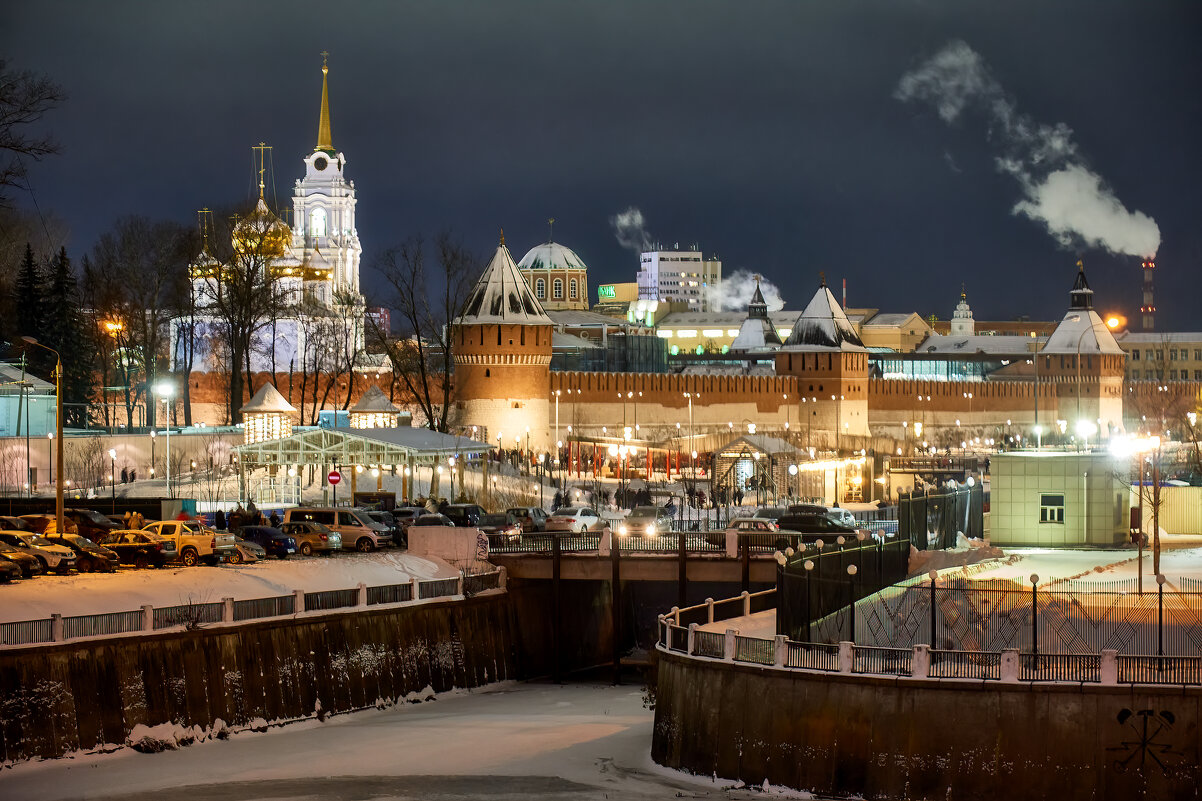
(651, 530)
(622, 529)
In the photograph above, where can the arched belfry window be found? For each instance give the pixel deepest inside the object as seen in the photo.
(317, 222)
(557, 289)
(540, 288)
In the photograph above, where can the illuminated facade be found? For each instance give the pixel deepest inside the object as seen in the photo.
(266, 416)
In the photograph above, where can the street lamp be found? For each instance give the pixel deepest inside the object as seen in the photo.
(166, 392)
(113, 476)
(58, 425)
(50, 455)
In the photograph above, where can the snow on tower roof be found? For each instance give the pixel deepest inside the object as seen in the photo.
(551, 256)
(268, 399)
(374, 400)
(757, 330)
(1081, 330)
(823, 325)
(502, 295)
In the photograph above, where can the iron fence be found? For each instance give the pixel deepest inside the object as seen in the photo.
(884, 661)
(1134, 669)
(709, 643)
(437, 588)
(100, 625)
(187, 615)
(754, 649)
(26, 632)
(814, 656)
(1060, 667)
(965, 665)
(264, 607)
(330, 599)
(390, 594)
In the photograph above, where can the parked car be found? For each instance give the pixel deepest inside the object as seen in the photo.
(194, 542)
(11, 523)
(140, 548)
(246, 552)
(44, 524)
(53, 557)
(574, 518)
(357, 529)
(646, 521)
(531, 518)
(89, 557)
(313, 537)
(843, 516)
(29, 566)
(9, 570)
(756, 532)
(405, 515)
(389, 523)
(272, 540)
(433, 519)
(501, 528)
(770, 512)
(464, 514)
(815, 526)
(90, 523)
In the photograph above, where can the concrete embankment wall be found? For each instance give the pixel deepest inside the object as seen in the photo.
(881, 738)
(75, 696)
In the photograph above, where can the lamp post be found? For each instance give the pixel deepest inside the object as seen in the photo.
(50, 455)
(167, 392)
(58, 429)
(113, 476)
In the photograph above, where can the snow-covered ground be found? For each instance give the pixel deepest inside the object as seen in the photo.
(504, 741)
(129, 589)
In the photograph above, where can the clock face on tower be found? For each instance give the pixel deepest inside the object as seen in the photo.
(320, 163)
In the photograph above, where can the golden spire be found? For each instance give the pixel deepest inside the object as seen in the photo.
(551, 228)
(323, 125)
(502, 237)
(821, 278)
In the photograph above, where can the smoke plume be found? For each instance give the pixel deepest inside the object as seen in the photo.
(734, 292)
(631, 231)
(1059, 190)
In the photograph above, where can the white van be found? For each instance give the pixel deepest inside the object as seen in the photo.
(357, 529)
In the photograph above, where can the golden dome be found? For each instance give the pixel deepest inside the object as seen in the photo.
(261, 233)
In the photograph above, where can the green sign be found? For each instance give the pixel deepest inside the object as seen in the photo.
(606, 292)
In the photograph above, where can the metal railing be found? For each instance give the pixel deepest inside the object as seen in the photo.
(58, 628)
(698, 637)
(265, 607)
(187, 615)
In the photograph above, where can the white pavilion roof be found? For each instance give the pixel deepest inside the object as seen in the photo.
(503, 296)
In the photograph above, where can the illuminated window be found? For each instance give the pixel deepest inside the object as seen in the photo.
(317, 223)
(687, 333)
(557, 289)
(540, 288)
(572, 289)
(1051, 508)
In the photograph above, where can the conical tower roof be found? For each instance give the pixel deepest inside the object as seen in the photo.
(324, 143)
(1081, 330)
(502, 295)
(757, 330)
(268, 399)
(823, 326)
(374, 401)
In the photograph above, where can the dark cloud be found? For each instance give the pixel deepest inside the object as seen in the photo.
(768, 132)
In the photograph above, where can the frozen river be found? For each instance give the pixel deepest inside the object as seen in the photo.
(505, 741)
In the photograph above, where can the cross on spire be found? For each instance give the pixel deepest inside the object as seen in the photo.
(551, 227)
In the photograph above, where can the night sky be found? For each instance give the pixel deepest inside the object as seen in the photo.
(775, 134)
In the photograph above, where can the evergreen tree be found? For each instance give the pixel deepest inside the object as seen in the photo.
(29, 290)
(64, 330)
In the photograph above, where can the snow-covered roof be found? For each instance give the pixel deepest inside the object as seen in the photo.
(374, 401)
(579, 318)
(268, 399)
(758, 442)
(503, 296)
(1160, 338)
(890, 320)
(11, 377)
(823, 326)
(755, 333)
(562, 341)
(551, 256)
(950, 344)
(1081, 330)
(780, 319)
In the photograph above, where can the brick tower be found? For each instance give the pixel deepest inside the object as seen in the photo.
(503, 359)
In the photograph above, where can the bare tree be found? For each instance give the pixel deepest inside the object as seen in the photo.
(25, 97)
(426, 301)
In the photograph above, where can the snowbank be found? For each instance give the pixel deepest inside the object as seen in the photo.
(129, 589)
